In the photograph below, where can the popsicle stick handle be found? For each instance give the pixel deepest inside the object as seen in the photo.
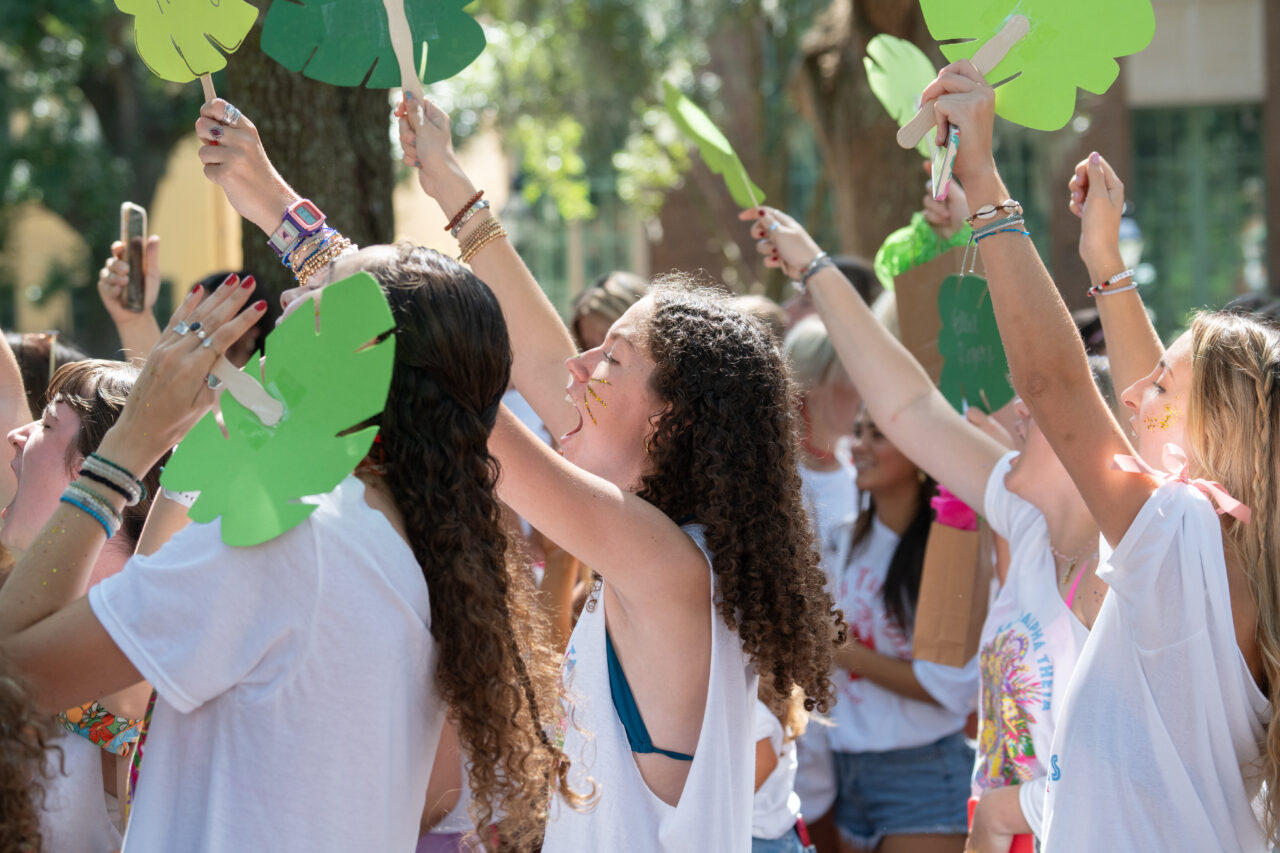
(985, 60)
(206, 81)
(402, 44)
(248, 392)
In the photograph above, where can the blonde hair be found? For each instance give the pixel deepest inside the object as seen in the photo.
(809, 352)
(1232, 415)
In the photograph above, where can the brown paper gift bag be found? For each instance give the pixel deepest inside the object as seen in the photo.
(955, 589)
(916, 292)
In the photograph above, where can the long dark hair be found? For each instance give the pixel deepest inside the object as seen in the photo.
(725, 454)
(901, 588)
(496, 668)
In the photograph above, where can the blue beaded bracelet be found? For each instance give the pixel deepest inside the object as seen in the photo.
(92, 513)
(980, 237)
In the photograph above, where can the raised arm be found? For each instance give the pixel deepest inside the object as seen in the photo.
(1097, 197)
(138, 331)
(13, 410)
(1045, 353)
(902, 398)
(539, 339)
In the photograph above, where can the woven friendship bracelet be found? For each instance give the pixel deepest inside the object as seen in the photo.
(121, 479)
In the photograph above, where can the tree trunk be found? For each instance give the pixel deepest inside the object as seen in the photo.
(876, 184)
(330, 143)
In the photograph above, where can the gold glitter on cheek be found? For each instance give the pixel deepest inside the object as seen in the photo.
(587, 405)
(1168, 419)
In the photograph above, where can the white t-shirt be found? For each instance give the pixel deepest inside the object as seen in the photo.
(296, 706)
(74, 817)
(776, 806)
(714, 811)
(1028, 650)
(871, 718)
(1161, 735)
(831, 498)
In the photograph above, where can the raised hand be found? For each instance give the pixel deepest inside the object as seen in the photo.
(961, 96)
(946, 217)
(234, 159)
(172, 392)
(113, 278)
(1097, 197)
(426, 144)
(781, 240)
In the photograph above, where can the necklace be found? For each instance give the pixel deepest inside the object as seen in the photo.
(1081, 561)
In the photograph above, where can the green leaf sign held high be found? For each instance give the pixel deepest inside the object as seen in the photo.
(716, 151)
(179, 40)
(1071, 44)
(974, 367)
(329, 381)
(898, 72)
(347, 42)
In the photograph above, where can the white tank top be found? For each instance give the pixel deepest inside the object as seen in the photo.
(715, 808)
(75, 818)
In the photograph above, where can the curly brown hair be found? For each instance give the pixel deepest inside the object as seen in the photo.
(24, 737)
(724, 454)
(497, 670)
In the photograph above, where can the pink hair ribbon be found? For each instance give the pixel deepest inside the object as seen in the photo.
(1175, 459)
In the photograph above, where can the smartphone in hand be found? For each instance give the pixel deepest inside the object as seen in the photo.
(133, 234)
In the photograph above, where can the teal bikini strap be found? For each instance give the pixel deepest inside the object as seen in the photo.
(628, 712)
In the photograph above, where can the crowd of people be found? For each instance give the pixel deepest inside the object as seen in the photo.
(647, 580)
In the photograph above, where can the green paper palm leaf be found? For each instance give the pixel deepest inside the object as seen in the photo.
(1071, 44)
(974, 367)
(716, 151)
(179, 40)
(254, 477)
(898, 72)
(347, 42)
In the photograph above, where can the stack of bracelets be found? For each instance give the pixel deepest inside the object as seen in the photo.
(1012, 223)
(488, 230)
(93, 504)
(1104, 289)
(304, 243)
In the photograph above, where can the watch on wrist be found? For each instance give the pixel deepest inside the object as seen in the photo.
(301, 220)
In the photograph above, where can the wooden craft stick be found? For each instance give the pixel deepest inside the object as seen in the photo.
(249, 392)
(987, 58)
(206, 80)
(402, 44)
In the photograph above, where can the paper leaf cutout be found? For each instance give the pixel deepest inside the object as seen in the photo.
(974, 367)
(898, 72)
(254, 478)
(1071, 44)
(716, 151)
(179, 40)
(341, 41)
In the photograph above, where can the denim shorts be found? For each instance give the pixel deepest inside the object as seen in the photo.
(923, 790)
(788, 843)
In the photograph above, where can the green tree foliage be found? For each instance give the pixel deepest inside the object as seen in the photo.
(83, 124)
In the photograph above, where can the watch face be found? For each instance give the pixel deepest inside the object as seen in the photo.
(286, 233)
(308, 214)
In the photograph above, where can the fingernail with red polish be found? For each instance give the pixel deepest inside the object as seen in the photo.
(198, 288)
(213, 142)
(260, 305)
(248, 282)
(231, 280)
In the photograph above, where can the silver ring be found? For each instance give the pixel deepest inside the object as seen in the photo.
(231, 116)
(182, 328)
(206, 343)
(773, 226)
(201, 334)
(213, 381)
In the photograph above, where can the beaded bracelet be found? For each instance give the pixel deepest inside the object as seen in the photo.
(457, 217)
(322, 258)
(1126, 288)
(94, 506)
(480, 244)
(315, 242)
(121, 479)
(482, 235)
(472, 211)
(1120, 276)
(988, 211)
